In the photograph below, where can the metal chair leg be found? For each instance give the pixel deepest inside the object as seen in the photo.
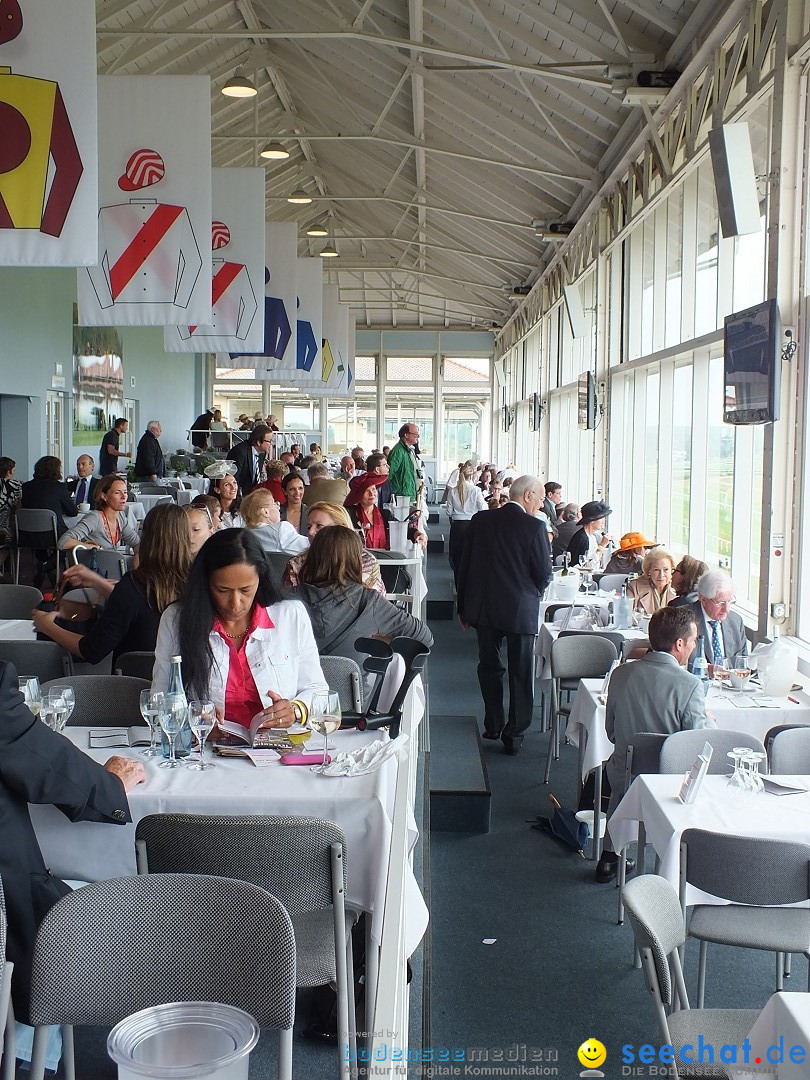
(787, 964)
(704, 948)
(551, 738)
(780, 960)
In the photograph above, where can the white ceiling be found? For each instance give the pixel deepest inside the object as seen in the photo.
(431, 133)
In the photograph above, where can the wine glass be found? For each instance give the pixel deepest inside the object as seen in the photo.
(720, 673)
(152, 703)
(300, 738)
(29, 688)
(49, 713)
(58, 708)
(324, 717)
(202, 716)
(740, 672)
(172, 718)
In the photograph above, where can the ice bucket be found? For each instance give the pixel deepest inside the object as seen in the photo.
(182, 1040)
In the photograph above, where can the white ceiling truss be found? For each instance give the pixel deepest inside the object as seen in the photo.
(431, 134)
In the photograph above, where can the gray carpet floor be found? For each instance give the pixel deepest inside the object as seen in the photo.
(559, 969)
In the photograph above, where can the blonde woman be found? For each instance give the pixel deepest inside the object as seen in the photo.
(324, 515)
(653, 590)
(260, 513)
(463, 501)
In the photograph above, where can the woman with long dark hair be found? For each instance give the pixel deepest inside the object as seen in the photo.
(242, 646)
(227, 491)
(341, 608)
(294, 510)
(10, 496)
(131, 615)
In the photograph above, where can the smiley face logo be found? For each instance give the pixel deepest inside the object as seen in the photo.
(592, 1054)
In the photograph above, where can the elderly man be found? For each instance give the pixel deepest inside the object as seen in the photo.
(505, 568)
(404, 465)
(722, 629)
(347, 467)
(655, 693)
(82, 487)
(149, 464)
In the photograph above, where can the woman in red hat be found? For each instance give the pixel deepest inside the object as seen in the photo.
(366, 516)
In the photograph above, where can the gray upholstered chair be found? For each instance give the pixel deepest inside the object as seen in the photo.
(105, 700)
(580, 656)
(301, 861)
(18, 601)
(755, 874)
(790, 751)
(655, 914)
(45, 659)
(34, 529)
(344, 677)
(136, 665)
(610, 582)
(680, 749)
(111, 948)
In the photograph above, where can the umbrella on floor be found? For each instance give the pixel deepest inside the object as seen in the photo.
(563, 826)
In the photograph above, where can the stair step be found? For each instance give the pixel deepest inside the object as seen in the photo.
(440, 609)
(435, 545)
(460, 796)
(433, 518)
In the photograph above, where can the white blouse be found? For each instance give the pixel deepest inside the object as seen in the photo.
(473, 502)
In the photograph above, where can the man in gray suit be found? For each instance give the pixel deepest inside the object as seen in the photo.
(656, 694)
(722, 629)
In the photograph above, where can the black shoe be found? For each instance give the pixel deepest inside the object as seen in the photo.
(491, 735)
(512, 746)
(608, 867)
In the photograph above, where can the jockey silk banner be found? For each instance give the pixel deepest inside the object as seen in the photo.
(278, 351)
(237, 267)
(48, 151)
(154, 217)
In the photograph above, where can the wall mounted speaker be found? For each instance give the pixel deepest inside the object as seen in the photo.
(734, 179)
(575, 311)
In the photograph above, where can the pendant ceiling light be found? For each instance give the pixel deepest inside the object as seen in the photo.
(299, 197)
(274, 151)
(239, 86)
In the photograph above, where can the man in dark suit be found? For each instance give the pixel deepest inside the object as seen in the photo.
(149, 463)
(250, 457)
(552, 501)
(82, 487)
(505, 568)
(39, 766)
(722, 629)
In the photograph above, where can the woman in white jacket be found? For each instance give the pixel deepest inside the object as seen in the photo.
(242, 646)
(463, 500)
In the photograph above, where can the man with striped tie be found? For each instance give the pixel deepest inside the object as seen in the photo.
(723, 629)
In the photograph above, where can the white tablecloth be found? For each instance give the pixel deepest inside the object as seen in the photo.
(785, 1017)
(718, 808)
(148, 501)
(361, 805)
(588, 716)
(17, 630)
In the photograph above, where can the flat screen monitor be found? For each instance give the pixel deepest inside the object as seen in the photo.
(586, 400)
(752, 365)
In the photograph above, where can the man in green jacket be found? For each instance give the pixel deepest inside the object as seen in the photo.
(403, 464)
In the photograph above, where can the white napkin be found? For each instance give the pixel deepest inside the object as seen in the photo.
(365, 759)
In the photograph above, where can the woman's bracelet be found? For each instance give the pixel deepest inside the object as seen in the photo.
(300, 711)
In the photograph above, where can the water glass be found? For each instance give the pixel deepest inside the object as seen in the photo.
(152, 703)
(201, 720)
(172, 718)
(67, 696)
(29, 688)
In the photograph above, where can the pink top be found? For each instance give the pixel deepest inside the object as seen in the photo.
(242, 698)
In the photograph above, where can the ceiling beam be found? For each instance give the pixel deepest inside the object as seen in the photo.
(574, 71)
(406, 202)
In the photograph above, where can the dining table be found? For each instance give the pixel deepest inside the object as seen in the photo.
(652, 799)
(780, 1037)
(732, 710)
(361, 805)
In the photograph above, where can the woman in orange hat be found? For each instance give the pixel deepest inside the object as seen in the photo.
(630, 556)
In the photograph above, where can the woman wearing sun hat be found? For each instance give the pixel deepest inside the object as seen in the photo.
(584, 541)
(630, 556)
(366, 516)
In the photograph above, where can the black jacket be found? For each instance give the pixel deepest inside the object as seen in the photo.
(128, 623)
(242, 454)
(505, 569)
(73, 487)
(149, 458)
(49, 495)
(39, 766)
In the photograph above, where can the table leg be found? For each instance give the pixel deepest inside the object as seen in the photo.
(580, 762)
(596, 846)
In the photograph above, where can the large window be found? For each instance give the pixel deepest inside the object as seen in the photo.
(680, 487)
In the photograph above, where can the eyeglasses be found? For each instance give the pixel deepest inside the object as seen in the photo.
(723, 603)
